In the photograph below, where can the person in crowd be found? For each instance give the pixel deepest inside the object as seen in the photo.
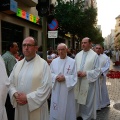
(116, 56)
(73, 53)
(4, 84)
(10, 61)
(49, 57)
(18, 56)
(64, 78)
(49, 49)
(110, 53)
(101, 98)
(30, 84)
(108, 58)
(88, 73)
(107, 51)
(104, 92)
(54, 54)
(40, 51)
(69, 53)
(9, 57)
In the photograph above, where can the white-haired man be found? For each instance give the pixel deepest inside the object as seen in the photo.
(64, 78)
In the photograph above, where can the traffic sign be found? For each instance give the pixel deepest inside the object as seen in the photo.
(53, 25)
(52, 34)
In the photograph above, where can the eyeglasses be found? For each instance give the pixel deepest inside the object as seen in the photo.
(27, 45)
(60, 49)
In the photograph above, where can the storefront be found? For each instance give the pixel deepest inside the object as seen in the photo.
(16, 25)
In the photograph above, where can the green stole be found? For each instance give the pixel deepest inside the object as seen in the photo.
(82, 86)
(36, 82)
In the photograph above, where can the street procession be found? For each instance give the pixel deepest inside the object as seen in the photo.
(59, 60)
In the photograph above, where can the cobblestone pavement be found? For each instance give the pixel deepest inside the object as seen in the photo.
(113, 111)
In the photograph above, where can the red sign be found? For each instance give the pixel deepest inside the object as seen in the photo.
(53, 25)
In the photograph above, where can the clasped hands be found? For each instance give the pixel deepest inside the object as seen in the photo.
(21, 98)
(60, 78)
(81, 74)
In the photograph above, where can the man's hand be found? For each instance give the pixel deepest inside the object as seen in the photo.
(60, 78)
(21, 98)
(81, 74)
(16, 94)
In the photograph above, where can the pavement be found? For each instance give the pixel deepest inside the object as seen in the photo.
(113, 111)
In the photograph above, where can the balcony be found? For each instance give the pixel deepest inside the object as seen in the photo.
(30, 3)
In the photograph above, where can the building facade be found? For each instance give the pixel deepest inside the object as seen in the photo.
(117, 33)
(18, 19)
(109, 40)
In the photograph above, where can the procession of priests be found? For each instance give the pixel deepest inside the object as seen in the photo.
(76, 87)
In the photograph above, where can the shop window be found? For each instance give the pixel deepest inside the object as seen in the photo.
(33, 33)
(11, 32)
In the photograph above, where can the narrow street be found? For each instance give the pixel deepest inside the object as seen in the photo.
(113, 111)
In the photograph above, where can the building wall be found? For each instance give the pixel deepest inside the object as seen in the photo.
(89, 3)
(109, 40)
(117, 32)
(27, 8)
(27, 25)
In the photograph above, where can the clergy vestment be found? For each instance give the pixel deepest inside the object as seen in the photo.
(62, 98)
(115, 55)
(104, 92)
(34, 79)
(4, 84)
(102, 64)
(85, 89)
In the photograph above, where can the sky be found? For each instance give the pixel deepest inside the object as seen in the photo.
(108, 10)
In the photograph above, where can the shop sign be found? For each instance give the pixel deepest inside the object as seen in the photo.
(8, 6)
(25, 15)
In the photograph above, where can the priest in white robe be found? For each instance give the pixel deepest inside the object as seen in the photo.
(30, 84)
(116, 55)
(4, 84)
(103, 67)
(88, 73)
(104, 91)
(64, 78)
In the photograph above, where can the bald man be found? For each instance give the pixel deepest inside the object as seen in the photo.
(30, 84)
(88, 73)
(64, 78)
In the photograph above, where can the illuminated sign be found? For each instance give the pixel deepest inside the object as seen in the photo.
(25, 15)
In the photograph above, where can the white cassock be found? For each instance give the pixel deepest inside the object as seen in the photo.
(62, 98)
(117, 55)
(102, 64)
(104, 92)
(85, 89)
(24, 82)
(4, 84)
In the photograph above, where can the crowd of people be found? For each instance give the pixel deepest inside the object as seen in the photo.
(74, 82)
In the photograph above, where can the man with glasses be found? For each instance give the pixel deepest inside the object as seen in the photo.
(30, 84)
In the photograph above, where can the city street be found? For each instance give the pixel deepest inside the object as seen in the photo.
(113, 111)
